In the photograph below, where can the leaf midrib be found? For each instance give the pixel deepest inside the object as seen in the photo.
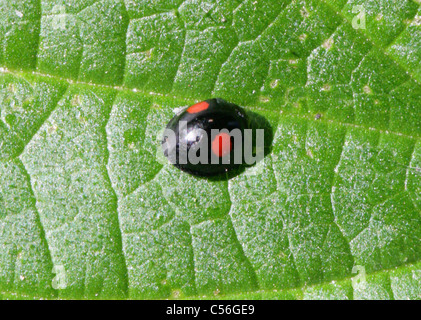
(254, 107)
(263, 291)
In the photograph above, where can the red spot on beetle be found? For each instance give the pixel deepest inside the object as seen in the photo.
(221, 145)
(198, 107)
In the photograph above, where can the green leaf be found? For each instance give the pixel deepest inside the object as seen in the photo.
(88, 210)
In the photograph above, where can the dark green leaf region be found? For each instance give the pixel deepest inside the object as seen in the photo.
(88, 209)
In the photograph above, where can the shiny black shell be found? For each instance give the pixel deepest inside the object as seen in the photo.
(206, 115)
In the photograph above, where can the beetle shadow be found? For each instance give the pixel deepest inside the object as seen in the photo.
(256, 121)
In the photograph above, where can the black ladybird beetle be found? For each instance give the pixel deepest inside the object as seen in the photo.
(203, 140)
